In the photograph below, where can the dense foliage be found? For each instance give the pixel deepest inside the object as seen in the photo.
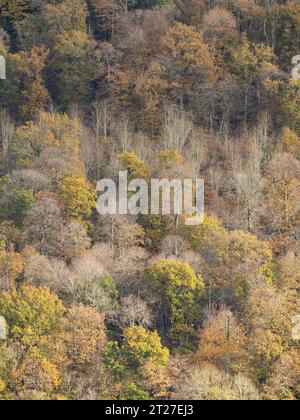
(144, 307)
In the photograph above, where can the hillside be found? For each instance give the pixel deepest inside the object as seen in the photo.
(143, 306)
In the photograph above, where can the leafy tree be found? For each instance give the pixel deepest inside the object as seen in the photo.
(54, 132)
(136, 167)
(11, 266)
(20, 203)
(253, 64)
(24, 89)
(78, 197)
(139, 365)
(222, 343)
(288, 32)
(12, 11)
(72, 67)
(140, 346)
(7, 362)
(156, 227)
(49, 20)
(289, 93)
(290, 142)
(79, 339)
(30, 312)
(205, 233)
(268, 317)
(65, 16)
(10, 236)
(103, 16)
(178, 290)
(13, 8)
(35, 374)
(189, 61)
(136, 393)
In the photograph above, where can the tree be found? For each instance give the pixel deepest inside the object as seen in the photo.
(252, 64)
(50, 20)
(135, 311)
(75, 240)
(288, 32)
(138, 81)
(284, 381)
(81, 335)
(178, 290)
(136, 167)
(223, 343)
(24, 90)
(34, 95)
(208, 384)
(248, 182)
(42, 271)
(75, 347)
(65, 16)
(92, 285)
(140, 364)
(72, 68)
(268, 315)
(140, 346)
(10, 236)
(20, 204)
(13, 8)
(52, 131)
(104, 15)
(50, 234)
(281, 186)
(6, 131)
(30, 313)
(35, 375)
(288, 93)
(248, 251)
(7, 361)
(219, 26)
(11, 266)
(46, 227)
(200, 236)
(12, 11)
(189, 63)
(290, 142)
(78, 197)
(120, 231)
(176, 130)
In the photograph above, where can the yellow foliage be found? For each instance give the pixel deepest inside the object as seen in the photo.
(290, 141)
(136, 167)
(78, 197)
(36, 373)
(30, 312)
(11, 265)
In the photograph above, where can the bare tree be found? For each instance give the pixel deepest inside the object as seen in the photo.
(208, 383)
(7, 129)
(177, 129)
(135, 311)
(247, 181)
(102, 119)
(123, 134)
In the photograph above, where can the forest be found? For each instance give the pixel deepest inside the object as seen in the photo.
(123, 307)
